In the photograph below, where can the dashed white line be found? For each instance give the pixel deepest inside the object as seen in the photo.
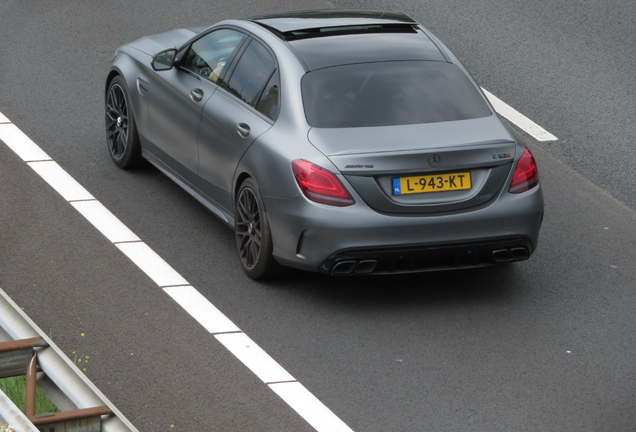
(105, 222)
(21, 144)
(152, 264)
(61, 181)
(521, 121)
(310, 408)
(212, 319)
(173, 284)
(253, 356)
(177, 287)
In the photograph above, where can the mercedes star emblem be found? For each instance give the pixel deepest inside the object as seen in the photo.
(434, 160)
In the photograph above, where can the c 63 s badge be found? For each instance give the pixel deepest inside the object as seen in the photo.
(502, 156)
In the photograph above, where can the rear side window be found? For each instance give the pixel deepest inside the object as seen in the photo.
(268, 103)
(255, 80)
(390, 93)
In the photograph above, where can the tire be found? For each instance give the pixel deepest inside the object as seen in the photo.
(253, 236)
(121, 130)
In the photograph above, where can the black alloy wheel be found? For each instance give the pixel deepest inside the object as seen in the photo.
(253, 237)
(121, 130)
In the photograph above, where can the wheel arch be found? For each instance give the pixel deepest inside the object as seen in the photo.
(111, 75)
(131, 158)
(244, 175)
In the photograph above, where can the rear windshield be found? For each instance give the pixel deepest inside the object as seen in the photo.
(389, 94)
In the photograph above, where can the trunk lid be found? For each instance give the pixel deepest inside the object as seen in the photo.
(372, 158)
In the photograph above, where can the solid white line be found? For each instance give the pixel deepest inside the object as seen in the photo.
(309, 407)
(523, 122)
(21, 144)
(61, 181)
(253, 356)
(200, 308)
(152, 264)
(106, 222)
(3, 119)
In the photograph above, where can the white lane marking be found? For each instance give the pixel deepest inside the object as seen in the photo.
(257, 360)
(152, 264)
(61, 181)
(106, 222)
(21, 144)
(200, 308)
(253, 356)
(523, 122)
(309, 407)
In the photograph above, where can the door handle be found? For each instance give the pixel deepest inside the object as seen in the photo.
(196, 95)
(243, 130)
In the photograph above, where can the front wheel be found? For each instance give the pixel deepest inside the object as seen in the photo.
(253, 237)
(121, 130)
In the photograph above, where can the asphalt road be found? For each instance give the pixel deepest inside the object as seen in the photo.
(547, 344)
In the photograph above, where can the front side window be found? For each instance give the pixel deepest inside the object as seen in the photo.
(390, 93)
(208, 56)
(255, 80)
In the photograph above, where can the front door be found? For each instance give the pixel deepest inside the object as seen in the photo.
(180, 94)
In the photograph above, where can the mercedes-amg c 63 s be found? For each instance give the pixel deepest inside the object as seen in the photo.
(340, 141)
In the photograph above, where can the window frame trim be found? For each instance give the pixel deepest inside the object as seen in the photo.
(230, 71)
(182, 52)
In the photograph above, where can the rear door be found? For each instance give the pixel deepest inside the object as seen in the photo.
(245, 106)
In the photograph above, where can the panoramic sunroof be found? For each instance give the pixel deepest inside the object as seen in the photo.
(332, 22)
(346, 30)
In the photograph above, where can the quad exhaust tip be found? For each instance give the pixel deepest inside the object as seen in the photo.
(354, 267)
(513, 254)
(347, 267)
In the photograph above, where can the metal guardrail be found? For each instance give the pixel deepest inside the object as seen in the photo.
(26, 350)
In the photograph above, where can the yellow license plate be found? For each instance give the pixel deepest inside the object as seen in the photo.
(431, 183)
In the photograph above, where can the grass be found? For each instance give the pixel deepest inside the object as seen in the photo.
(15, 389)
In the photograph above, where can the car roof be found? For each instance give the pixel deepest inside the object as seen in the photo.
(326, 38)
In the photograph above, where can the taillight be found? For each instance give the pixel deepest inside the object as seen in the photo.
(526, 175)
(320, 185)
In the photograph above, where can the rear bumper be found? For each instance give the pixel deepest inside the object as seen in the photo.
(320, 238)
(420, 258)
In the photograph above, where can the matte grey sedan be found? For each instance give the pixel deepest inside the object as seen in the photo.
(340, 141)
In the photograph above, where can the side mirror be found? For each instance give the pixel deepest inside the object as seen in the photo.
(164, 60)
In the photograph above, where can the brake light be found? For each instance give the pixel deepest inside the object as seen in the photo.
(526, 174)
(320, 185)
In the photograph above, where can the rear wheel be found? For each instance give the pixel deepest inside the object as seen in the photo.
(253, 237)
(121, 129)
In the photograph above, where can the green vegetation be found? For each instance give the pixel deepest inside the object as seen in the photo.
(15, 389)
(79, 360)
